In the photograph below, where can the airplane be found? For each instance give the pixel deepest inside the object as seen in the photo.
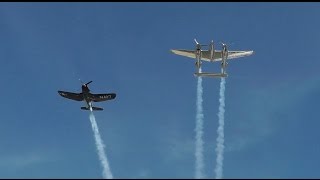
(88, 97)
(211, 55)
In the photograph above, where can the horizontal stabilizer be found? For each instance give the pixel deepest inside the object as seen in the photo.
(93, 108)
(211, 74)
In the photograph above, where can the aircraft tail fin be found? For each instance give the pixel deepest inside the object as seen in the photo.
(93, 108)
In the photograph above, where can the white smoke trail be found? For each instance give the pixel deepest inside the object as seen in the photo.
(220, 131)
(100, 147)
(199, 132)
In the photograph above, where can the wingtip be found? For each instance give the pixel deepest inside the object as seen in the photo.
(173, 51)
(250, 53)
(61, 93)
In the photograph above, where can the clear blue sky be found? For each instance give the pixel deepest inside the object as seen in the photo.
(272, 98)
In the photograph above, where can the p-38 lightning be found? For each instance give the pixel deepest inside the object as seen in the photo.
(88, 97)
(211, 55)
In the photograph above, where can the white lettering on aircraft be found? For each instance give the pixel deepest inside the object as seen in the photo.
(105, 96)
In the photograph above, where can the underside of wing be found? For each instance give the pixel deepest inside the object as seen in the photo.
(70, 95)
(191, 54)
(206, 54)
(238, 54)
(102, 97)
(184, 52)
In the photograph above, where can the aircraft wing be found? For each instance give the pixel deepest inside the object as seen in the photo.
(102, 97)
(70, 95)
(206, 54)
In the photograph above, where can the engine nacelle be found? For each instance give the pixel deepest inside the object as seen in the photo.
(198, 65)
(224, 64)
(224, 53)
(211, 51)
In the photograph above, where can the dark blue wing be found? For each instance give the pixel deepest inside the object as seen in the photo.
(102, 97)
(70, 95)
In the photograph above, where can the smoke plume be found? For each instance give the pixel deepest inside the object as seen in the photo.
(199, 132)
(100, 147)
(220, 131)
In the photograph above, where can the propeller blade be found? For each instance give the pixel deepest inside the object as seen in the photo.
(196, 41)
(224, 44)
(88, 82)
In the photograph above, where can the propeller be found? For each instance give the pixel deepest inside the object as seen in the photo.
(81, 81)
(225, 44)
(198, 44)
(195, 40)
(86, 84)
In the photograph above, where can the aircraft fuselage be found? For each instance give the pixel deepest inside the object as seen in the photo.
(86, 95)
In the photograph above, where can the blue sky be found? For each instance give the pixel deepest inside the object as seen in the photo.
(272, 97)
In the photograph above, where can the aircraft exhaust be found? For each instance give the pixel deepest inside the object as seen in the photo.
(199, 164)
(220, 139)
(100, 148)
